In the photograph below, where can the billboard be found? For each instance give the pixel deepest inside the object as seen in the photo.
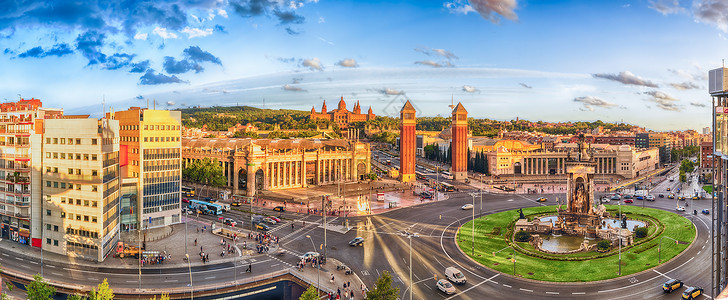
(721, 116)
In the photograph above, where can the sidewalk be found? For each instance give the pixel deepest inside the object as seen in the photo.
(323, 277)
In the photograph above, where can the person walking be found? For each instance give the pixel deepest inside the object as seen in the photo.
(249, 269)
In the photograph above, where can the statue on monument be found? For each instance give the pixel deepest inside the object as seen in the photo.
(580, 200)
(520, 211)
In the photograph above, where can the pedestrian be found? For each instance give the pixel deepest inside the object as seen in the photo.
(351, 294)
(250, 268)
(348, 284)
(195, 242)
(332, 279)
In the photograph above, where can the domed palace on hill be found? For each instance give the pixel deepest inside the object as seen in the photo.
(342, 116)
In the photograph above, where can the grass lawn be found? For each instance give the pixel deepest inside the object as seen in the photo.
(708, 188)
(486, 243)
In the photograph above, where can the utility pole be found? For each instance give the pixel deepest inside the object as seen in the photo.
(473, 229)
(323, 216)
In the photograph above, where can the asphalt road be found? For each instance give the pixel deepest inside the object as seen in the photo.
(386, 248)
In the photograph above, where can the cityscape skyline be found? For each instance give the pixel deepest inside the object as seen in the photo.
(610, 60)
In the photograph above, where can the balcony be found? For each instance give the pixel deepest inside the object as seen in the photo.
(22, 204)
(17, 179)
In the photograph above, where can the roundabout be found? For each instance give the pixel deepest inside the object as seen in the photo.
(667, 236)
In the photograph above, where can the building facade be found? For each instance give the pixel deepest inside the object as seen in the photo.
(252, 165)
(81, 187)
(342, 116)
(706, 155)
(152, 139)
(642, 140)
(407, 142)
(459, 143)
(718, 89)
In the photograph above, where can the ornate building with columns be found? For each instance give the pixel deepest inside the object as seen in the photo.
(252, 165)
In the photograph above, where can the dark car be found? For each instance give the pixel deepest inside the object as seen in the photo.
(208, 199)
(706, 211)
(627, 196)
(692, 293)
(279, 208)
(262, 227)
(671, 285)
(661, 195)
(357, 241)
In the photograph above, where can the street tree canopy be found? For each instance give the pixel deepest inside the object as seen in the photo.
(39, 289)
(102, 292)
(309, 294)
(383, 289)
(207, 171)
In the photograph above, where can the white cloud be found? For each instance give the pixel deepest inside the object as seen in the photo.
(684, 86)
(321, 20)
(295, 4)
(627, 77)
(666, 7)
(140, 36)
(488, 9)
(387, 91)
(163, 33)
(196, 32)
(590, 102)
(292, 88)
(170, 103)
(663, 100)
(712, 12)
(313, 64)
(347, 63)
(222, 13)
(470, 89)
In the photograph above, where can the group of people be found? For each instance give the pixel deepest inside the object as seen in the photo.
(346, 292)
(155, 259)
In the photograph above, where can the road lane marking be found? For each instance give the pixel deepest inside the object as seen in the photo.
(508, 286)
(33, 262)
(472, 287)
(526, 290)
(210, 277)
(57, 274)
(131, 281)
(170, 281)
(658, 272)
(699, 252)
(5, 254)
(25, 266)
(578, 293)
(50, 266)
(552, 293)
(273, 266)
(18, 258)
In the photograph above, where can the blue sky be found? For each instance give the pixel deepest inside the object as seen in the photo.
(643, 62)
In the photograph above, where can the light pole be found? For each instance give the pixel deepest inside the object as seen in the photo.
(473, 229)
(514, 257)
(189, 268)
(318, 270)
(659, 248)
(437, 183)
(620, 240)
(481, 195)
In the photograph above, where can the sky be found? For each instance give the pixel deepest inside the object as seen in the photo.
(640, 62)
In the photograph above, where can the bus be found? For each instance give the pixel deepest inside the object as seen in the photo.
(206, 207)
(420, 176)
(188, 191)
(446, 175)
(447, 187)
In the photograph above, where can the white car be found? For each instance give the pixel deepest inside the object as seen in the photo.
(445, 286)
(309, 254)
(605, 200)
(455, 275)
(680, 208)
(467, 206)
(650, 197)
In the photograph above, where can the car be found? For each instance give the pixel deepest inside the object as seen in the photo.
(661, 195)
(681, 198)
(627, 196)
(262, 227)
(236, 204)
(270, 221)
(614, 197)
(445, 286)
(228, 221)
(274, 219)
(455, 275)
(185, 200)
(467, 206)
(668, 189)
(692, 293)
(706, 211)
(605, 200)
(357, 241)
(628, 200)
(696, 197)
(671, 285)
(671, 180)
(279, 208)
(650, 198)
(640, 197)
(309, 255)
(671, 196)
(542, 199)
(680, 208)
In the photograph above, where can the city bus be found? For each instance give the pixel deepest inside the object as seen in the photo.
(188, 191)
(447, 187)
(206, 207)
(420, 175)
(446, 175)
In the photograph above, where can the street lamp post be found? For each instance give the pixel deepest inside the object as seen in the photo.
(473, 229)
(659, 248)
(318, 270)
(620, 240)
(189, 268)
(437, 183)
(481, 195)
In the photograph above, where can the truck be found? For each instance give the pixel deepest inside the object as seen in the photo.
(640, 194)
(126, 250)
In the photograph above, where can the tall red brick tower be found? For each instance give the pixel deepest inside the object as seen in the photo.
(407, 142)
(459, 142)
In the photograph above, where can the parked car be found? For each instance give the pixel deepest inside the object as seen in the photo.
(605, 200)
(706, 211)
(671, 285)
(274, 219)
(542, 199)
(692, 293)
(261, 226)
(467, 206)
(628, 200)
(680, 208)
(640, 197)
(455, 275)
(650, 197)
(614, 197)
(627, 196)
(279, 208)
(668, 189)
(236, 204)
(696, 197)
(228, 221)
(681, 198)
(185, 200)
(445, 286)
(270, 221)
(357, 241)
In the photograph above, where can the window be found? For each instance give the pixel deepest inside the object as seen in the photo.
(55, 154)
(48, 169)
(63, 140)
(70, 171)
(63, 214)
(78, 217)
(63, 185)
(85, 157)
(55, 184)
(94, 219)
(55, 140)
(94, 142)
(145, 138)
(78, 156)
(48, 241)
(78, 187)
(48, 140)
(94, 203)
(48, 155)
(94, 157)
(78, 171)
(94, 173)
(63, 199)
(48, 184)
(70, 186)
(78, 201)
(55, 170)
(55, 242)
(63, 155)
(48, 226)
(85, 202)
(145, 127)
(156, 139)
(94, 188)
(48, 212)
(55, 228)
(78, 141)
(85, 218)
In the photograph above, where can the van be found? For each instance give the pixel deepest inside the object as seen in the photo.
(455, 275)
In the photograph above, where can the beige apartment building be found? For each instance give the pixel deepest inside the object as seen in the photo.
(80, 187)
(150, 140)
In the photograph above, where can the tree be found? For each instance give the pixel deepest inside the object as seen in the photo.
(104, 292)
(4, 296)
(640, 232)
(522, 236)
(383, 289)
(309, 294)
(39, 289)
(372, 176)
(76, 297)
(604, 245)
